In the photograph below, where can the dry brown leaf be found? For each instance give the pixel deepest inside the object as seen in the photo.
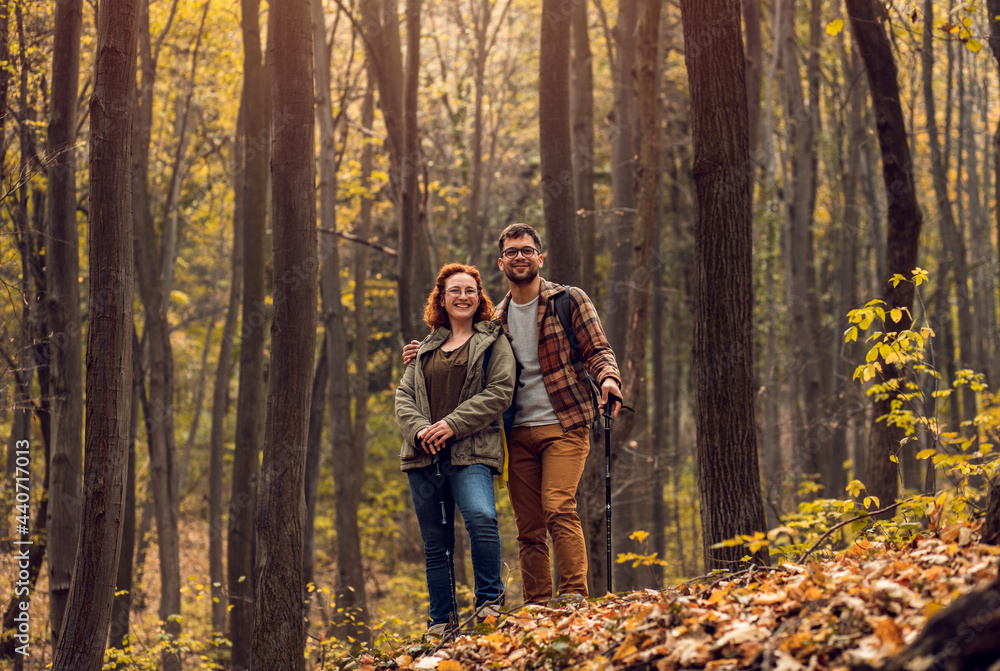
(888, 633)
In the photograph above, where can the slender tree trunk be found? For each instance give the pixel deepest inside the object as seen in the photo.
(352, 615)
(729, 482)
(623, 132)
(754, 59)
(314, 447)
(582, 122)
(121, 607)
(109, 343)
(904, 218)
(481, 11)
(415, 257)
(220, 387)
(396, 96)
(157, 336)
(555, 147)
(812, 454)
(278, 628)
(645, 258)
(951, 233)
(847, 270)
(62, 273)
(991, 525)
(255, 316)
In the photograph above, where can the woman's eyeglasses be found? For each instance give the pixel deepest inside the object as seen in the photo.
(455, 292)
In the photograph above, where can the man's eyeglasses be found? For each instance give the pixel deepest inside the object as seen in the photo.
(526, 252)
(455, 292)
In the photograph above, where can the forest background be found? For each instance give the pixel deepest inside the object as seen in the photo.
(575, 117)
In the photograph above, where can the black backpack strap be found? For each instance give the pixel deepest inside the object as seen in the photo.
(564, 312)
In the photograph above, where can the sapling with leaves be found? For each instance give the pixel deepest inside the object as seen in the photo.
(913, 394)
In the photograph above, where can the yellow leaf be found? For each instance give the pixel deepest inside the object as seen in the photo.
(926, 454)
(716, 597)
(851, 334)
(975, 46)
(449, 665)
(834, 27)
(896, 314)
(893, 458)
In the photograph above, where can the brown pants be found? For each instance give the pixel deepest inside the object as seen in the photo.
(545, 468)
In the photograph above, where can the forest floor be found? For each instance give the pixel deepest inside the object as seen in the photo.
(852, 609)
(857, 608)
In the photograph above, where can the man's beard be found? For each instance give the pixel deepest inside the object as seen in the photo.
(532, 273)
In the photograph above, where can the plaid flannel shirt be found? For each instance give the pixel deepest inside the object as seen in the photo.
(566, 380)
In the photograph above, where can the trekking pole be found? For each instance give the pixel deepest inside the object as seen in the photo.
(607, 475)
(448, 553)
(612, 399)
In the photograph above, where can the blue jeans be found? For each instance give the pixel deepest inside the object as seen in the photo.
(471, 487)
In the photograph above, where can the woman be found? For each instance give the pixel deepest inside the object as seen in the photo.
(448, 407)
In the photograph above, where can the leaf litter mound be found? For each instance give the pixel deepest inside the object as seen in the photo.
(856, 610)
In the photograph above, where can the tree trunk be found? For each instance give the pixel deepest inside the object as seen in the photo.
(754, 59)
(278, 627)
(582, 131)
(951, 233)
(645, 257)
(962, 637)
(811, 453)
(352, 616)
(157, 336)
(121, 607)
(481, 11)
(846, 387)
(250, 400)
(623, 131)
(314, 447)
(555, 148)
(414, 257)
(904, 219)
(991, 524)
(728, 477)
(109, 342)
(65, 346)
(396, 96)
(220, 387)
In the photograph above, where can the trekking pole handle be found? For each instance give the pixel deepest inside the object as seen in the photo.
(610, 403)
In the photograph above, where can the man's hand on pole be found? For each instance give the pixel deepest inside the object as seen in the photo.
(610, 386)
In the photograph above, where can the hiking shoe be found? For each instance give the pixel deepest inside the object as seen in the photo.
(486, 611)
(535, 608)
(436, 631)
(567, 600)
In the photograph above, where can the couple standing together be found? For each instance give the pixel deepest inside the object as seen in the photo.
(449, 406)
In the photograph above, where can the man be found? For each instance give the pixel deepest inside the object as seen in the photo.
(550, 440)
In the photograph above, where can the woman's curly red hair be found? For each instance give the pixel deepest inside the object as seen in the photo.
(434, 312)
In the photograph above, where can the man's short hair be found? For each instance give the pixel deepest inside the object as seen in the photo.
(516, 231)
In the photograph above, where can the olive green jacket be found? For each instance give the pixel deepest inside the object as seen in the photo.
(476, 421)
